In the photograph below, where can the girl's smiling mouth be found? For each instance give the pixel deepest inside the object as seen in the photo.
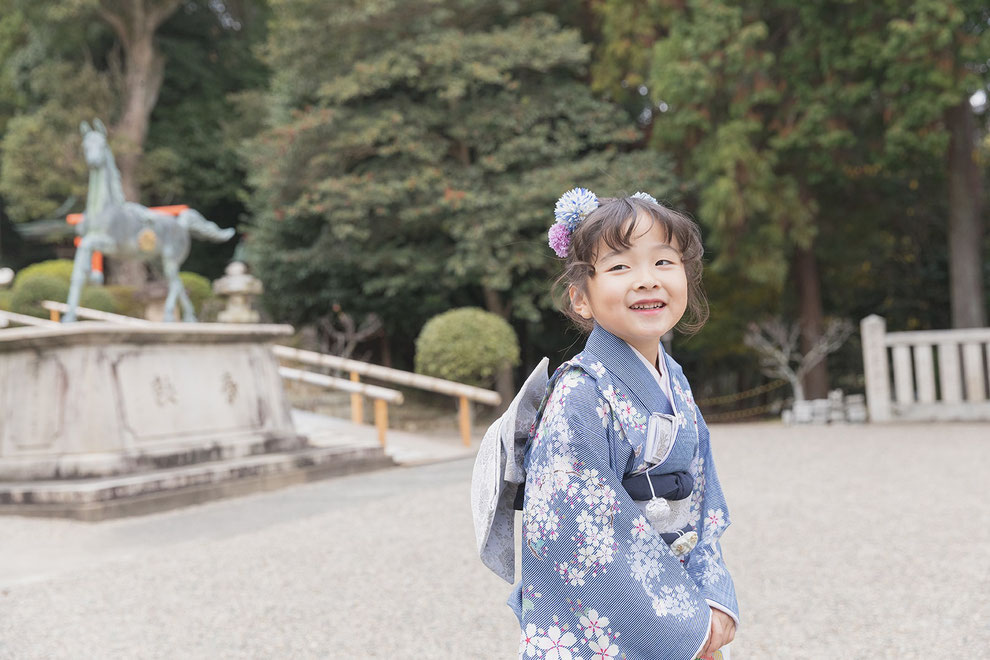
(647, 305)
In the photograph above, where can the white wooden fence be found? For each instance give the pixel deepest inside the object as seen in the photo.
(929, 375)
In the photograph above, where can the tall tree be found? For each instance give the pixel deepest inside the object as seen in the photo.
(935, 54)
(415, 152)
(135, 23)
(771, 108)
(63, 64)
(748, 132)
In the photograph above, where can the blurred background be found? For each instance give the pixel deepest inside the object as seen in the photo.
(384, 162)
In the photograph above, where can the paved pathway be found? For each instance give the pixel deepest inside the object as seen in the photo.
(405, 448)
(848, 542)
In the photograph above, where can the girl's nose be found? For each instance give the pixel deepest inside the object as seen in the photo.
(647, 280)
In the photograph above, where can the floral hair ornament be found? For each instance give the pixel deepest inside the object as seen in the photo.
(572, 207)
(646, 197)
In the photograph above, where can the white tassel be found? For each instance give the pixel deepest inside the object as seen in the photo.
(658, 513)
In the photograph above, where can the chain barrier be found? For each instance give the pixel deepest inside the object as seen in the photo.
(745, 394)
(742, 414)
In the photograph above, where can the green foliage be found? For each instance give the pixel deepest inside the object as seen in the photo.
(60, 64)
(805, 124)
(196, 129)
(49, 280)
(124, 300)
(5, 300)
(29, 292)
(59, 268)
(42, 163)
(415, 154)
(467, 345)
(98, 298)
(198, 287)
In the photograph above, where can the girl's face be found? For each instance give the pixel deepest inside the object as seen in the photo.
(637, 294)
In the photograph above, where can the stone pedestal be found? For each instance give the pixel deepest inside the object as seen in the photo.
(99, 412)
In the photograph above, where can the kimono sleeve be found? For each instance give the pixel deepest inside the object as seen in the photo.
(710, 515)
(595, 575)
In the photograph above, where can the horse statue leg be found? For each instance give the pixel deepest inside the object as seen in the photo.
(80, 273)
(175, 287)
(188, 311)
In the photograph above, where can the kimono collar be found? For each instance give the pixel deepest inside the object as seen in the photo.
(620, 360)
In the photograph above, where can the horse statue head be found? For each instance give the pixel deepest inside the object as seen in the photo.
(104, 182)
(95, 146)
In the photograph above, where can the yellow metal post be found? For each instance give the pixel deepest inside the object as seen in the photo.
(464, 414)
(381, 419)
(54, 315)
(357, 401)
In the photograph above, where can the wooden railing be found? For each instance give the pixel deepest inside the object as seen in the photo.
(382, 396)
(56, 309)
(464, 393)
(936, 374)
(24, 319)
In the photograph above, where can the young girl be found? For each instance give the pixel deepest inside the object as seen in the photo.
(605, 576)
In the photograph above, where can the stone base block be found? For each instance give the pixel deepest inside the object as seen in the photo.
(137, 494)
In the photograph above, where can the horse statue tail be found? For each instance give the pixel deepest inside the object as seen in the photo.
(200, 227)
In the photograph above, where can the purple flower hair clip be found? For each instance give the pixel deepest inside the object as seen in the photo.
(572, 207)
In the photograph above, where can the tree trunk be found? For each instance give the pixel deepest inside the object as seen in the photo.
(144, 70)
(503, 379)
(135, 23)
(811, 318)
(965, 220)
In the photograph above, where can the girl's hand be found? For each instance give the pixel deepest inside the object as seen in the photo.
(723, 630)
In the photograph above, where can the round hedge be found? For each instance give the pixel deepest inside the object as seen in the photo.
(198, 287)
(98, 298)
(58, 268)
(30, 290)
(467, 345)
(125, 299)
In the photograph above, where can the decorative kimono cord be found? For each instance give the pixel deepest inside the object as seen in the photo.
(659, 513)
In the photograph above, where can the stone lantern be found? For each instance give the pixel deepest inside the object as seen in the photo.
(240, 287)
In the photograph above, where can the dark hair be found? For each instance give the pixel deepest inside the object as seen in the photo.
(613, 223)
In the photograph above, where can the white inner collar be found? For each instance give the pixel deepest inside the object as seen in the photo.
(658, 374)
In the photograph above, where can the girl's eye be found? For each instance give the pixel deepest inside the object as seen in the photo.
(665, 262)
(617, 267)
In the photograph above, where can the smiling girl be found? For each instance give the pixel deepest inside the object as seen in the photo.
(622, 508)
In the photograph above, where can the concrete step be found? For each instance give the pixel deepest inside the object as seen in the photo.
(148, 492)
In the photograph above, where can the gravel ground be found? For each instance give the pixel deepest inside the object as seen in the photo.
(847, 542)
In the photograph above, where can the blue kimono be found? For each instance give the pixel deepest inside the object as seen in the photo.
(597, 580)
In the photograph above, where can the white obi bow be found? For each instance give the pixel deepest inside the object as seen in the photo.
(498, 472)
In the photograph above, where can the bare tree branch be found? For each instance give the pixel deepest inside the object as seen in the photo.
(776, 342)
(117, 24)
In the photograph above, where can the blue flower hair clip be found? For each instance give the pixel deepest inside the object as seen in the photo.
(646, 197)
(572, 207)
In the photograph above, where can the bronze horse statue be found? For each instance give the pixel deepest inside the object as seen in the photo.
(116, 227)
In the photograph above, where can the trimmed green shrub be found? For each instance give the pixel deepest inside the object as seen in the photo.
(29, 291)
(124, 300)
(467, 345)
(5, 297)
(98, 298)
(198, 287)
(59, 268)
